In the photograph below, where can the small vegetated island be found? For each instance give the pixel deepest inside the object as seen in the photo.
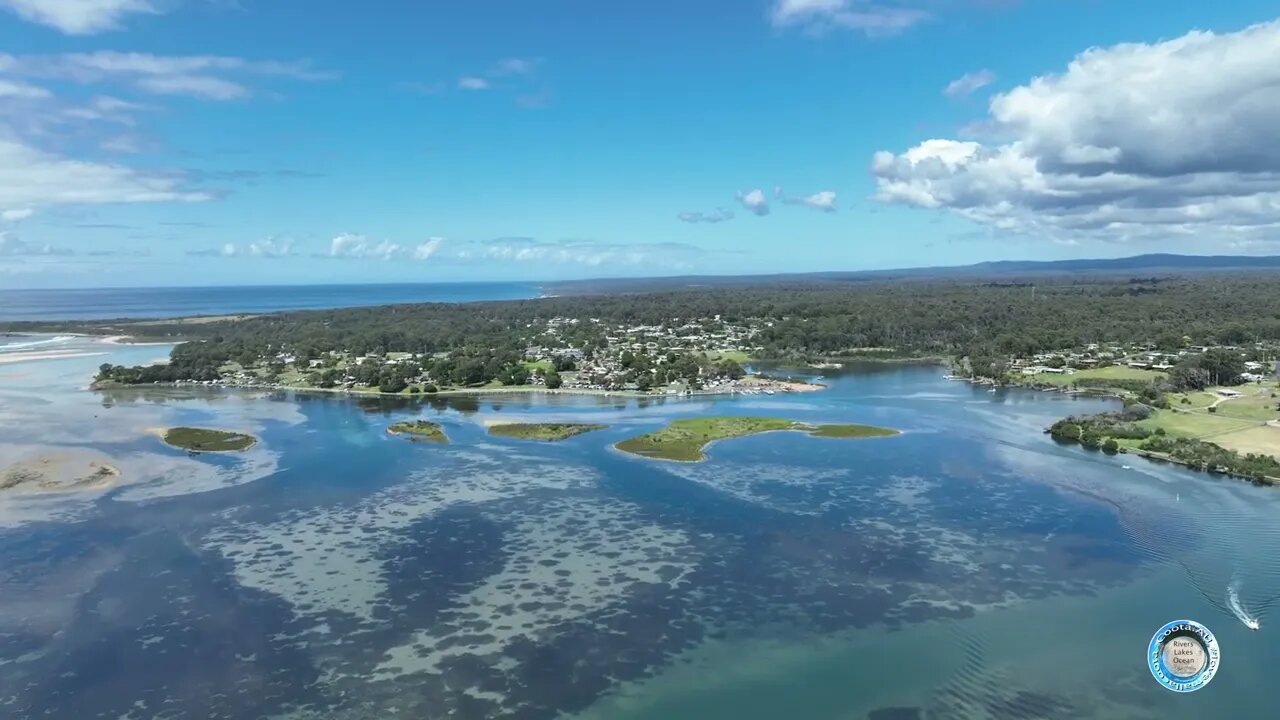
(206, 440)
(419, 431)
(543, 432)
(685, 440)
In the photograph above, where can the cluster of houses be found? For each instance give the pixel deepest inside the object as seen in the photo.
(1142, 357)
(1257, 372)
(598, 366)
(603, 369)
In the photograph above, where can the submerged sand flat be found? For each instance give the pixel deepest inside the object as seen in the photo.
(9, 358)
(64, 471)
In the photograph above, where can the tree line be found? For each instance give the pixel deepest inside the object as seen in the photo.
(794, 322)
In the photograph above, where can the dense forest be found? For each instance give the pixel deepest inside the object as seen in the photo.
(794, 321)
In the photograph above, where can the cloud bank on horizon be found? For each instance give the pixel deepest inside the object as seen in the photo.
(491, 157)
(1132, 142)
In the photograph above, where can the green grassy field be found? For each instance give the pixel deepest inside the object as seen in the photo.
(419, 431)
(1199, 425)
(739, 356)
(1236, 424)
(684, 440)
(1115, 372)
(1259, 439)
(205, 440)
(543, 365)
(1257, 404)
(544, 432)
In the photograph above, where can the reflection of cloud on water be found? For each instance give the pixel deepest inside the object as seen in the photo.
(49, 413)
(327, 559)
(907, 491)
(143, 476)
(456, 572)
(775, 486)
(568, 559)
(160, 476)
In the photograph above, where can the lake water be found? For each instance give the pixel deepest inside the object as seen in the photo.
(111, 303)
(969, 568)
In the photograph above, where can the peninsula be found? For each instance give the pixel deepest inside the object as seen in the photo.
(686, 440)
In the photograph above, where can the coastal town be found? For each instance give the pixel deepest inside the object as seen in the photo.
(561, 354)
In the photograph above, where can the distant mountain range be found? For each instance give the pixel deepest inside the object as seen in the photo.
(1158, 261)
(1157, 265)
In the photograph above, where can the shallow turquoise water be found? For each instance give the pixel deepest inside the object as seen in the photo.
(970, 568)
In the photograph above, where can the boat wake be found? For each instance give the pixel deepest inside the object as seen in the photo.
(1238, 609)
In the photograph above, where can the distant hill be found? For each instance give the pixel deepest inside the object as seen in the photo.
(1157, 261)
(1152, 265)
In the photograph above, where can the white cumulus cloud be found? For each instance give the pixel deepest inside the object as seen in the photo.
(754, 201)
(11, 246)
(872, 18)
(78, 17)
(969, 83)
(31, 178)
(427, 248)
(1134, 141)
(352, 245)
(16, 214)
(824, 200)
(22, 91)
(718, 216)
(210, 77)
(269, 248)
(579, 252)
(473, 83)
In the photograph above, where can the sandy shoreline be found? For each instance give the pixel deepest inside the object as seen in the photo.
(10, 358)
(126, 340)
(782, 388)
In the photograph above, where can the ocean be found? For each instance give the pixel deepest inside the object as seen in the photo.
(970, 568)
(109, 303)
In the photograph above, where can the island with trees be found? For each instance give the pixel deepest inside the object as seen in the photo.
(543, 432)
(685, 440)
(419, 431)
(208, 440)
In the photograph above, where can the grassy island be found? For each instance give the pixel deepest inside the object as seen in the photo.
(851, 431)
(206, 440)
(684, 440)
(544, 432)
(419, 431)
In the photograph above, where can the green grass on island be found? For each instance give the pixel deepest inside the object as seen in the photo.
(852, 431)
(419, 431)
(685, 439)
(205, 440)
(545, 432)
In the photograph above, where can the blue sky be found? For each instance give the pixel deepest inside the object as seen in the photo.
(171, 142)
